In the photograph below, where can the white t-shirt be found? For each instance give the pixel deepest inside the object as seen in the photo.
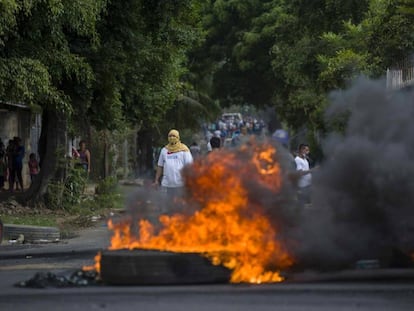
(303, 165)
(172, 164)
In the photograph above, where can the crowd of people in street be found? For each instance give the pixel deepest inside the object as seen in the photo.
(171, 160)
(231, 128)
(175, 156)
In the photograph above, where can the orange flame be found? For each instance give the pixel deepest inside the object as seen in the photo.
(96, 266)
(229, 228)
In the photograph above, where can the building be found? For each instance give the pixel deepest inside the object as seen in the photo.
(401, 75)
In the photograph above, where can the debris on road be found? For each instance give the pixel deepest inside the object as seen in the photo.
(48, 279)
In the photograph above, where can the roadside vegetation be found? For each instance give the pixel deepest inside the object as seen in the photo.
(76, 205)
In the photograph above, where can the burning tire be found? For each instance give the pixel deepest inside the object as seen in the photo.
(30, 233)
(148, 267)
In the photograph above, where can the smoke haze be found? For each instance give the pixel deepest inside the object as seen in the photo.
(363, 193)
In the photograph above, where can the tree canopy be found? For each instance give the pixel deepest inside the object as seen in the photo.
(290, 54)
(101, 63)
(156, 64)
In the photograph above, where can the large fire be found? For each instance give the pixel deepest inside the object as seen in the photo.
(229, 227)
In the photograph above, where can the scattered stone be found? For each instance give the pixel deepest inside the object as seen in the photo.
(12, 204)
(20, 239)
(78, 278)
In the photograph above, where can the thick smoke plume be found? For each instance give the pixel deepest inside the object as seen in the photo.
(363, 194)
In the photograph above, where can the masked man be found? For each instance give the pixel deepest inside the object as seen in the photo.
(173, 157)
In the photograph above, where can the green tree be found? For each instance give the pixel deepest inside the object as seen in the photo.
(107, 64)
(291, 54)
(139, 65)
(37, 63)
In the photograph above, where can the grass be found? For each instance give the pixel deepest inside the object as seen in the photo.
(44, 221)
(67, 220)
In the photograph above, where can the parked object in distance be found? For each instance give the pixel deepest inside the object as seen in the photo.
(233, 116)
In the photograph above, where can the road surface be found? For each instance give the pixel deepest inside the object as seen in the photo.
(289, 296)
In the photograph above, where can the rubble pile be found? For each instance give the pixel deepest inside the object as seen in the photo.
(78, 278)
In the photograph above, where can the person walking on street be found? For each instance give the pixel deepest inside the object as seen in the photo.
(305, 175)
(172, 159)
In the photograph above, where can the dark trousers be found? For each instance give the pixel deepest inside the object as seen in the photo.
(16, 172)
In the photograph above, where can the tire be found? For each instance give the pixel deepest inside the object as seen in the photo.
(149, 267)
(30, 233)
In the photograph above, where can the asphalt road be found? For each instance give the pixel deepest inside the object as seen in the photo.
(333, 296)
(289, 296)
(334, 293)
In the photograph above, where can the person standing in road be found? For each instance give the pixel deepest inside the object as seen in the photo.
(18, 155)
(83, 155)
(305, 175)
(173, 158)
(215, 143)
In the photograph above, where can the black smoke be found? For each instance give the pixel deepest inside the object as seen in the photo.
(363, 193)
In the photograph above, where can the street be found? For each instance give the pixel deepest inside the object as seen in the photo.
(310, 290)
(291, 296)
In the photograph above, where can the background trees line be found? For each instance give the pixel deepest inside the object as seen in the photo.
(290, 54)
(114, 64)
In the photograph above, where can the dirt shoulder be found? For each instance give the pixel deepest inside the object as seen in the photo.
(68, 222)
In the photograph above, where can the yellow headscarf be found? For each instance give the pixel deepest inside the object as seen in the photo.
(174, 143)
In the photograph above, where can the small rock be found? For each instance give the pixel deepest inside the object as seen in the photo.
(20, 239)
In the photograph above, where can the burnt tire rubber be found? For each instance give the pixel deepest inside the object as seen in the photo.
(151, 267)
(30, 233)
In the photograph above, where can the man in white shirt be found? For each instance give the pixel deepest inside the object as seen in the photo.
(173, 157)
(305, 179)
